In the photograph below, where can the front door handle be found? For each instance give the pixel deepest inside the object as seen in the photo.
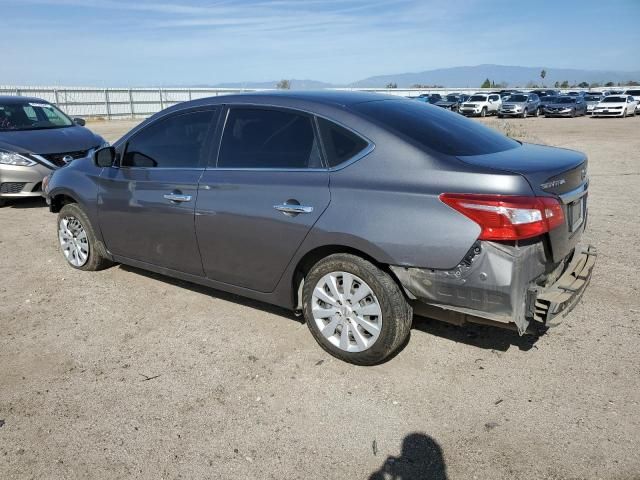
(293, 209)
(177, 197)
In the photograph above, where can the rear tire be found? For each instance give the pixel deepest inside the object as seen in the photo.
(334, 308)
(78, 242)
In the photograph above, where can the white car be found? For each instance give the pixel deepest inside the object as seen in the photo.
(481, 105)
(635, 93)
(616, 106)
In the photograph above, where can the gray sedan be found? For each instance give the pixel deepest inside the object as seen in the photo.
(566, 106)
(36, 138)
(353, 209)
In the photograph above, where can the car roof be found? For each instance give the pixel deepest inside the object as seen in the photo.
(287, 98)
(15, 99)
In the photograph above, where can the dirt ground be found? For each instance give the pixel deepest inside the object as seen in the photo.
(126, 374)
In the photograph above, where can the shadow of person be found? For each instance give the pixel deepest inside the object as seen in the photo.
(421, 458)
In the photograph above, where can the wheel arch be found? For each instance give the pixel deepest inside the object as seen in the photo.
(313, 256)
(59, 199)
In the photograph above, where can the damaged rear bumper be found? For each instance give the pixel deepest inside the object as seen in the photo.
(504, 284)
(552, 302)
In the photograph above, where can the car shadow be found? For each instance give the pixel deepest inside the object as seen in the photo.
(212, 292)
(32, 202)
(485, 337)
(481, 336)
(421, 457)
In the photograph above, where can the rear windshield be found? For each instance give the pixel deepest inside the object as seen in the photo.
(592, 98)
(436, 128)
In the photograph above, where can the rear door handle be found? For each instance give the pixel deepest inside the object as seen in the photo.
(177, 197)
(293, 209)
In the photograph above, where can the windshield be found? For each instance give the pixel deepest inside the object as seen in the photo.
(549, 99)
(518, 98)
(614, 100)
(452, 98)
(635, 93)
(31, 116)
(436, 128)
(566, 100)
(478, 98)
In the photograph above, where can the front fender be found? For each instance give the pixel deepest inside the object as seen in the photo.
(79, 182)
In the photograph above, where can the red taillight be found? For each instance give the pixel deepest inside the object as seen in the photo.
(507, 217)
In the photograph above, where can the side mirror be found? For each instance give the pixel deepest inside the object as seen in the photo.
(79, 121)
(104, 157)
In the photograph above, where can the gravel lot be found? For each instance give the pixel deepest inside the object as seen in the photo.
(123, 373)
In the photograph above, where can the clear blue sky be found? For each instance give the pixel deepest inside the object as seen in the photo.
(171, 42)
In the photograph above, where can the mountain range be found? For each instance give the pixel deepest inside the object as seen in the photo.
(473, 76)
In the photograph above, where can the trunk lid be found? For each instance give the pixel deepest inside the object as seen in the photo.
(550, 171)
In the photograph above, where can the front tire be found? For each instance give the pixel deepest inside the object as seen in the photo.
(483, 112)
(78, 241)
(355, 310)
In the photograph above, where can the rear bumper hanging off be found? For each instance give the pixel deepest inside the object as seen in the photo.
(559, 298)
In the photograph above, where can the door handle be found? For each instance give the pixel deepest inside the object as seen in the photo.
(293, 209)
(177, 197)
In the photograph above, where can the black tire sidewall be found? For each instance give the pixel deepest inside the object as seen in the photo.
(396, 313)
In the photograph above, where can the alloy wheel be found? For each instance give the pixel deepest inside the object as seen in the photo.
(346, 311)
(73, 240)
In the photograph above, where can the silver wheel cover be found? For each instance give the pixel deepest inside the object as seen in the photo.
(73, 241)
(346, 311)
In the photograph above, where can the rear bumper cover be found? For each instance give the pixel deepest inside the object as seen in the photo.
(555, 301)
(507, 284)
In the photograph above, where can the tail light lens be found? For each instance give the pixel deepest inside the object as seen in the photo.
(507, 217)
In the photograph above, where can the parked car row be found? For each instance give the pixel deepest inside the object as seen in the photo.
(550, 103)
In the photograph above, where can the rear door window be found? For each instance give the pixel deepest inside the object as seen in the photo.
(268, 138)
(178, 141)
(340, 144)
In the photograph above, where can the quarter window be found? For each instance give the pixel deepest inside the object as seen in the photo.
(175, 142)
(268, 138)
(339, 143)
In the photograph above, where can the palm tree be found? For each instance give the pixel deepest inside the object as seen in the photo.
(543, 74)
